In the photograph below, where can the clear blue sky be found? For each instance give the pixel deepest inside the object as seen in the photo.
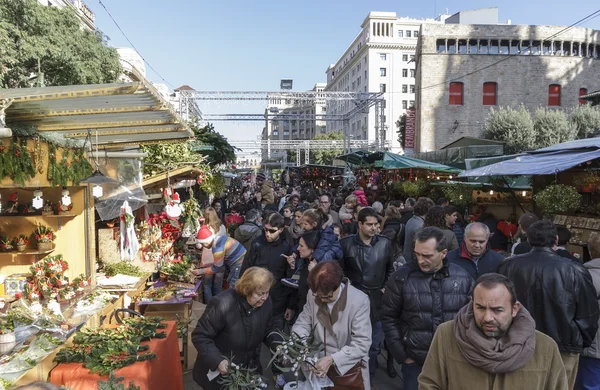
(241, 45)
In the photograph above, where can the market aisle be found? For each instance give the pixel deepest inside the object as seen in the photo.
(382, 380)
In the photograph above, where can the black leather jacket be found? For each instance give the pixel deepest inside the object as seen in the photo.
(416, 303)
(368, 267)
(230, 327)
(559, 294)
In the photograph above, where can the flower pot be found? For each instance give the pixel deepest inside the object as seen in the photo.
(44, 246)
(21, 248)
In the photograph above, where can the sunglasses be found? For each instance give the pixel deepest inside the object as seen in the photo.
(272, 231)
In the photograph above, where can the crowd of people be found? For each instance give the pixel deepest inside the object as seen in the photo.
(454, 304)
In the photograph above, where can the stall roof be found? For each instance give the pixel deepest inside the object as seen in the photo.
(471, 141)
(580, 144)
(389, 160)
(535, 164)
(123, 114)
(358, 157)
(161, 180)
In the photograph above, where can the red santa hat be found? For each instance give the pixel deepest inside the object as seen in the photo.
(13, 197)
(205, 235)
(175, 197)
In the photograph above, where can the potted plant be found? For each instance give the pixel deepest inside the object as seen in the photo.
(558, 199)
(21, 242)
(44, 236)
(6, 244)
(586, 181)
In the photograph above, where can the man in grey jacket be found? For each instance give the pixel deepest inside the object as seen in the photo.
(250, 229)
(415, 223)
(588, 375)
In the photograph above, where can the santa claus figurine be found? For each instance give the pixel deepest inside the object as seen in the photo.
(173, 208)
(12, 204)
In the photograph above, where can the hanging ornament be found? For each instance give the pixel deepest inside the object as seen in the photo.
(129, 241)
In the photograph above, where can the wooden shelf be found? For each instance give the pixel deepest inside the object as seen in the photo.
(37, 215)
(60, 216)
(30, 252)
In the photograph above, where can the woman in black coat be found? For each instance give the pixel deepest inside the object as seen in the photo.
(235, 323)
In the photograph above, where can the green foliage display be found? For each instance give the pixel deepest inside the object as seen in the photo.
(401, 125)
(326, 157)
(512, 127)
(213, 184)
(49, 40)
(114, 383)
(222, 152)
(163, 157)
(123, 268)
(558, 198)
(586, 120)
(19, 162)
(458, 194)
(552, 127)
(414, 188)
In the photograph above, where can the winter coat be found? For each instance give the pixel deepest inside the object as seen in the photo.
(230, 327)
(268, 255)
(416, 303)
(329, 246)
(593, 266)
(246, 233)
(451, 241)
(368, 267)
(413, 224)
(558, 293)
(361, 197)
(335, 216)
(447, 369)
(347, 327)
(346, 214)
(266, 191)
(487, 263)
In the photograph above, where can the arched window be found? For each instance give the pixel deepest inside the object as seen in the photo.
(456, 94)
(554, 95)
(490, 94)
(582, 92)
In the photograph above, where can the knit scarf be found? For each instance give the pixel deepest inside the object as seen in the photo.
(295, 230)
(496, 356)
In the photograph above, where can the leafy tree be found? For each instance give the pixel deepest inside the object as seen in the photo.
(223, 152)
(326, 157)
(552, 127)
(586, 119)
(512, 127)
(162, 157)
(35, 39)
(401, 125)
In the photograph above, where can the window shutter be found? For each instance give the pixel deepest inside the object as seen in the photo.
(490, 91)
(554, 95)
(582, 92)
(456, 94)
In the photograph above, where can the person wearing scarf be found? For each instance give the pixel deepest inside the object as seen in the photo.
(493, 344)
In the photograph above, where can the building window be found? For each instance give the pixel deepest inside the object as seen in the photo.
(286, 133)
(400, 33)
(382, 72)
(415, 34)
(404, 72)
(490, 94)
(381, 87)
(404, 104)
(404, 88)
(582, 92)
(554, 95)
(456, 94)
(408, 33)
(276, 133)
(504, 46)
(412, 104)
(462, 46)
(441, 46)
(483, 47)
(404, 57)
(412, 73)
(412, 89)
(383, 56)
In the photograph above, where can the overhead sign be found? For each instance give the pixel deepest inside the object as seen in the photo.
(410, 128)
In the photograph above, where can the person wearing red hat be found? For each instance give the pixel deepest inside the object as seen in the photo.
(228, 254)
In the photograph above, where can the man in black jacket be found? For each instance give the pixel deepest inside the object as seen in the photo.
(418, 298)
(475, 255)
(559, 294)
(267, 251)
(368, 262)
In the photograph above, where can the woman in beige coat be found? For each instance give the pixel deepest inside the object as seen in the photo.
(339, 313)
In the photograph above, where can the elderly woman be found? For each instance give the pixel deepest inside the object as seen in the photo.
(339, 314)
(235, 323)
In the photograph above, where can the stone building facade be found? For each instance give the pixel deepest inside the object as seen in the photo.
(462, 71)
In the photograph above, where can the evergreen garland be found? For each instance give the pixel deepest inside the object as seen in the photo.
(80, 166)
(18, 161)
(63, 172)
(114, 383)
(4, 163)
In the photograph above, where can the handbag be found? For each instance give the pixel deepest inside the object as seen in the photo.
(351, 380)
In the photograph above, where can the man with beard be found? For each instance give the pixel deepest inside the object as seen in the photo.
(418, 298)
(325, 204)
(492, 344)
(268, 251)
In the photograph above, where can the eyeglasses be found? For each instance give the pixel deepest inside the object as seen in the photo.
(261, 294)
(272, 231)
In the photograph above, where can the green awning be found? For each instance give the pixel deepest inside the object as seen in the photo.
(358, 157)
(389, 160)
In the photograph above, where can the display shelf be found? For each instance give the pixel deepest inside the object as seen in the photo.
(30, 252)
(58, 217)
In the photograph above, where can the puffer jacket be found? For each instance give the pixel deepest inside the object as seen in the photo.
(416, 303)
(266, 191)
(361, 197)
(231, 327)
(559, 294)
(593, 266)
(329, 246)
(246, 233)
(368, 267)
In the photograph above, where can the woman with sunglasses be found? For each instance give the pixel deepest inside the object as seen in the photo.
(339, 315)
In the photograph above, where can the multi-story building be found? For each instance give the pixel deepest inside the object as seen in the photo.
(463, 70)
(85, 14)
(288, 119)
(380, 59)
